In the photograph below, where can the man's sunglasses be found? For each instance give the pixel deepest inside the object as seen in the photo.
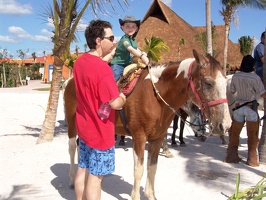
(111, 38)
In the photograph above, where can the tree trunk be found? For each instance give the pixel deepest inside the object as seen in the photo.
(47, 132)
(208, 27)
(19, 76)
(262, 143)
(4, 76)
(227, 27)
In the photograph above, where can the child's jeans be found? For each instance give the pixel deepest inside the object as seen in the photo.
(117, 70)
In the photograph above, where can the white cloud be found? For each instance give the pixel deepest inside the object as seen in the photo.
(19, 33)
(82, 25)
(46, 32)
(7, 39)
(40, 38)
(12, 7)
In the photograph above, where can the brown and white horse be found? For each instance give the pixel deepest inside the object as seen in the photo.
(159, 92)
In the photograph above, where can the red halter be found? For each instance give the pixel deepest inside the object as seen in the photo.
(202, 105)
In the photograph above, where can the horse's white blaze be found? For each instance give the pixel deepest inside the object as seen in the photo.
(156, 73)
(221, 83)
(184, 66)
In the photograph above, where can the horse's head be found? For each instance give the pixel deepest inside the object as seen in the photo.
(210, 85)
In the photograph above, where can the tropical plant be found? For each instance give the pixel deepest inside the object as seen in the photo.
(180, 44)
(154, 48)
(85, 47)
(229, 8)
(34, 56)
(22, 55)
(3, 54)
(255, 193)
(202, 40)
(246, 45)
(65, 16)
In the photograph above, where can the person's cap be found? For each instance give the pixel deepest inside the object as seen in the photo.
(129, 19)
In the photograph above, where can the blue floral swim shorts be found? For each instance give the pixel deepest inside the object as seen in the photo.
(98, 162)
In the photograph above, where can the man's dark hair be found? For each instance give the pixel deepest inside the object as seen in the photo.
(95, 30)
(247, 64)
(263, 34)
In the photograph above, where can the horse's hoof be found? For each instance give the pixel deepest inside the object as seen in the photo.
(224, 143)
(71, 187)
(167, 154)
(174, 145)
(202, 138)
(122, 143)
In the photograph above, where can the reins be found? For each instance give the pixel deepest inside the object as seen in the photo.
(169, 106)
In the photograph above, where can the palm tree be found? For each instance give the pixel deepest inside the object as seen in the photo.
(85, 47)
(65, 17)
(228, 12)
(3, 54)
(246, 45)
(202, 40)
(34, 56)
(44, 57)
(154, 47)
(22, 55)
(208, 26)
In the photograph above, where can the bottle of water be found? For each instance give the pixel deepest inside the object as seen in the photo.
(104, 111)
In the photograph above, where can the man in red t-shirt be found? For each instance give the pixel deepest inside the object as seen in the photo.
(95, 85)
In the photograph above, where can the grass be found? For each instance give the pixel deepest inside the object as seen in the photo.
(42, 89)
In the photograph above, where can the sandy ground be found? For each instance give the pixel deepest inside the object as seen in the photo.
(29, 171)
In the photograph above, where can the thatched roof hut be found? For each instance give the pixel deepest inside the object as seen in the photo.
(161, 21)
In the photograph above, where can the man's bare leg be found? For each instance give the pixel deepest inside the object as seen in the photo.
(94, 187)
(81, 177)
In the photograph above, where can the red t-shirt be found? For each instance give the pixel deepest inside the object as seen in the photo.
(95, 84)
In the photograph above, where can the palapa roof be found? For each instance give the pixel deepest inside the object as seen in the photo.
(160, 21)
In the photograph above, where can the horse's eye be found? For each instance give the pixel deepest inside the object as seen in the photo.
(209, 82)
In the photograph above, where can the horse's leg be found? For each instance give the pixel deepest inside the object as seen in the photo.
(175, 126)
(72, 145)
(138, 154)
(122, 140)
(184, 116)
(222, 137)
(153, 151)
(70, 115)
(165, 148)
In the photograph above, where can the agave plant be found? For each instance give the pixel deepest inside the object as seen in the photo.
(255, 193)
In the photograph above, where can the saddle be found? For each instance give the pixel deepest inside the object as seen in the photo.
(128, 80)
(126, 84)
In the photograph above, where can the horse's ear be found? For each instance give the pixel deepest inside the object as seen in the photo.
(196, 55)
(199, 59)
(219, 58)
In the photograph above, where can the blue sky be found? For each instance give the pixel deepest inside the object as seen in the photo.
(22, 25)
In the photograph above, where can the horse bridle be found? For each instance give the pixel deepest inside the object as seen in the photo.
(191, 84)
(202, 104)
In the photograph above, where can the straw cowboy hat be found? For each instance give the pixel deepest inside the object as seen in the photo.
(129, 19)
